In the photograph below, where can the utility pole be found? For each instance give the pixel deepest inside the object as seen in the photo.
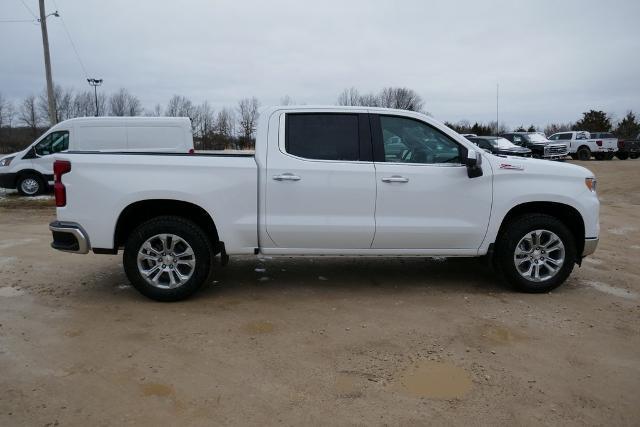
(47, 64)
(497, 109)
(95, 83)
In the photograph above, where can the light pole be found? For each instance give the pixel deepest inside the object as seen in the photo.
(95, 83)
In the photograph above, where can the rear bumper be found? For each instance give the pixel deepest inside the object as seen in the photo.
(69, 237)
(590, 245)
(8, 180)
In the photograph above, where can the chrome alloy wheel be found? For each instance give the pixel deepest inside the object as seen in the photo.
(166, 261)
(30, 186)
(539, 255)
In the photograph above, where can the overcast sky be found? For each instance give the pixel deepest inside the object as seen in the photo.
(553, 59)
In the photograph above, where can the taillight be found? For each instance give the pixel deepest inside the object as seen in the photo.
(60, 167)
(599, 143)
(620, 143)
(191, 151)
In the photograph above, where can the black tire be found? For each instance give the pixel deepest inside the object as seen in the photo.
(184, 229)
(30, 185)
(599, 156)
(583, 153)
(634, 156)
(510, 237)
(623, 155)
(574, 156)
(609, 156)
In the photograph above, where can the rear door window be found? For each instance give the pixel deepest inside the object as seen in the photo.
(323, 136)
(564, 136)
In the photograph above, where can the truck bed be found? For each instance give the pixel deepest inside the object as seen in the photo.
(116, 180)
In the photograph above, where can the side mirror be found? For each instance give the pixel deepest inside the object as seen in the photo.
(474, 164)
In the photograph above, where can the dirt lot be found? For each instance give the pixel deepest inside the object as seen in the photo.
(307, 342)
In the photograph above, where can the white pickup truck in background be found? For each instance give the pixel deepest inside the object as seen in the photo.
(582, 145)
(30, 171)
(327, 181)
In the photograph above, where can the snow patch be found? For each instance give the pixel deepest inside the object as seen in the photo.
(621, 231)
(9, 291)
(611, 290)
(9, 243)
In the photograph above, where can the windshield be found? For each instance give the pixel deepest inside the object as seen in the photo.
(536, 137)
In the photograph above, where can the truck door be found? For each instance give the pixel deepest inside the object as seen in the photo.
(320, 182)
(425, 199)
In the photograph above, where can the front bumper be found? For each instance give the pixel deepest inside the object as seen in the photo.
(8, 180)
(69, 237)
(590, 245)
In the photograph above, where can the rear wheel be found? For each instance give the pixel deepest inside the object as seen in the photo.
(536, 253)
(635, 155)
(167, 258)
(623, 155)
(30, 185)
(609, 156)
(583, 153)
(599, 156)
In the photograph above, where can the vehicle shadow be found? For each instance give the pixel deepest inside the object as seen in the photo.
(345, 275)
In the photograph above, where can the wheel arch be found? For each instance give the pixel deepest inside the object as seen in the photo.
(138, 212)
(567, 214)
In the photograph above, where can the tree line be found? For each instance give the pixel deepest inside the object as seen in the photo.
(234, 127)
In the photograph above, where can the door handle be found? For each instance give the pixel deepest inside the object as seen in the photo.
(395, 178)
(286, 177)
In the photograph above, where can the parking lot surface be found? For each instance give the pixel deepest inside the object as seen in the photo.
(321, 341)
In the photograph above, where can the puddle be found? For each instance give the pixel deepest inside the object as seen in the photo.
(259, 327)
(499, 334)
(9, 291)
(4, 260)
(9, 243)
(347, 386)
(611, 290)
(436, 380)
(157, 389)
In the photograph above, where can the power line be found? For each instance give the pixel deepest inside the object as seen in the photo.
(29, 9)
(73, 45)
(16, 20)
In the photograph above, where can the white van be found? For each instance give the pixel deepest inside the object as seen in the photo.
(30, 171)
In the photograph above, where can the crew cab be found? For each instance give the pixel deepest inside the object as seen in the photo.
(539, 145)
(582, 145)
(30, 171)
(323, 182)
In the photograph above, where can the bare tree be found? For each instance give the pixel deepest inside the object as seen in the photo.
(29, 115)
(502, 128)
(225, 123)
(180, 106)
(122, 103)
(552, 128)
(248, 112)
(349, 96)
(5, 108)
(401, 98)
(286, 100)
(369, 100)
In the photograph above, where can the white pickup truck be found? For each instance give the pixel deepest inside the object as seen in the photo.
(327, 181)
(582, 145)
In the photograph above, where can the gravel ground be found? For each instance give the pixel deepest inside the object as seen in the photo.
(308, 342)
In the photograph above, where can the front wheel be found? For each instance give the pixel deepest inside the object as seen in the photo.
(167, 258)
(622, 155)
(30, 185)
(635, 155)
(535, 253)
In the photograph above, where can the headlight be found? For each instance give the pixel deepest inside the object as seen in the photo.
(591, 184)
(6, 161)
